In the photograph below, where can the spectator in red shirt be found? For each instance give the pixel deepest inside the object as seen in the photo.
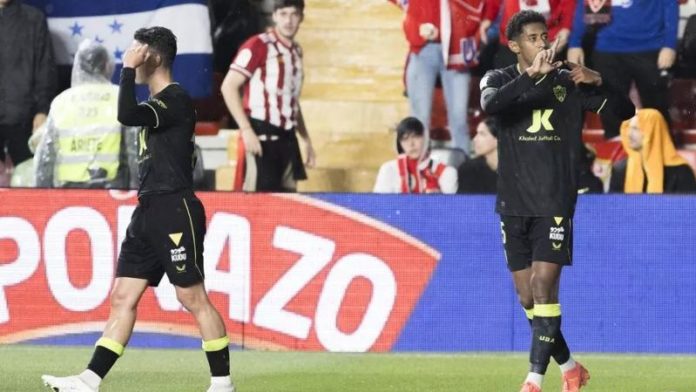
(443, 41)
(269, 69)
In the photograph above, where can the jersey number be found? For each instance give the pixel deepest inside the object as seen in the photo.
(540, 119)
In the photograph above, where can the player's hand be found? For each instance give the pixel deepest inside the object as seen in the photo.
(666, 58)
(581, 74)
(483, 30)
(136, 55)
(543, 61)
(576, 55)
(251, 141)
(311, 156)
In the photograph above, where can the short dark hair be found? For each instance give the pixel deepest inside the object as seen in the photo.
(493, 125)
(408, 126)
(161, 40)
(521, 19)
(278, 4)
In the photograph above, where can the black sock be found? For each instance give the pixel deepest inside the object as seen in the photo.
(544, 335)
(102, 361)
(560, 352)
(218, 353)
(219, 362)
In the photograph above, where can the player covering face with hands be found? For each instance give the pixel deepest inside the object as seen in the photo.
(540, 104)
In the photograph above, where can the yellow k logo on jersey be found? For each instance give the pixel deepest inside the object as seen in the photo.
(541, 119)
(141, 141)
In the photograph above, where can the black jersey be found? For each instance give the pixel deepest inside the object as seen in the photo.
(540, 137)
(166, 140)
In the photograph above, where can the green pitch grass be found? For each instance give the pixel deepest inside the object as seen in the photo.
(186, 370)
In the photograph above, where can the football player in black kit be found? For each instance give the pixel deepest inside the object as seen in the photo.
(540, 106)
(167, 227)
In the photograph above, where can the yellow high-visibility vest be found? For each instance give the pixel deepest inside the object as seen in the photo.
(87, 133)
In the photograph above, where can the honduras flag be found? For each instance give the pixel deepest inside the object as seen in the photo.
(112, 23)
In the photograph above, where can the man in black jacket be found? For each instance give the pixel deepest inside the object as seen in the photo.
(27, 76)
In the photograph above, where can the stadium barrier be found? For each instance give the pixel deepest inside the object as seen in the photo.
(354, 272)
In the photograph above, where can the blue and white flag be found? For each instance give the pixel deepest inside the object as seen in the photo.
(113, 22)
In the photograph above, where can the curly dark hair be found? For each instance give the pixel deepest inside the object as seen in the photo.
(161, 40)
(521, 19)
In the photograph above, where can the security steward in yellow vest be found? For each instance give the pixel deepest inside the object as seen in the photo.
(85, 146)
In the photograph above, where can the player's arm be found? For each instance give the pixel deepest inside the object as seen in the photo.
(497, 97)
(599, 96)
(129, 112)
(154, 113)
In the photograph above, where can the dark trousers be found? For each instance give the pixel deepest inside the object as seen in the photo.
(280, 165)
(620, 69)
(15, 138)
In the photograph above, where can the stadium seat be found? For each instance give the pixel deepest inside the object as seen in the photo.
(688, 138)
(593, 121)
(593, 135)
(682, 93)
(354, 92)
(609, 150)
(360, 180)
(207, 128)
(323, 180)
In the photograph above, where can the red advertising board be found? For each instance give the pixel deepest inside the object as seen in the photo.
(285, 271)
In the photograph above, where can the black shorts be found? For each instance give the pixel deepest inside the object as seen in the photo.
(165, 235)
(542, 238)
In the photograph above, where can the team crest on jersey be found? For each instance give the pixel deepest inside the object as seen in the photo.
(560, 93)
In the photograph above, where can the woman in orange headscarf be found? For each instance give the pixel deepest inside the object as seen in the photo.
(653, 164)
